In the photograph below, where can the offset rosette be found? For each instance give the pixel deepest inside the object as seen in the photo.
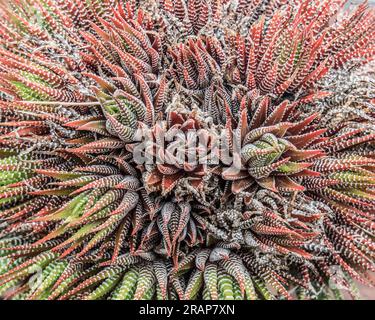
(186, 150)
(275, 152)
(181, 151)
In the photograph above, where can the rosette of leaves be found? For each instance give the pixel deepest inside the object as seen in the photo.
(78, 79)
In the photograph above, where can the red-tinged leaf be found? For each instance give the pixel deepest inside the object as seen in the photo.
(169, 182)
(288, 185)
(105, 182)
(155, 177)
(304, 140)
(300, 155)
(318, 183)
(260, 114)
(52, 192)
(53, 234)
(160, 95)
(233, 174)
(61, 175)
(314, 96)
(69, 250)
(104, 84)
(81, 122)
(196, 183)
(98, 126)
(277, 115)
(300, 126)
(306, 173)
(167, 169)
(241, 185)
(175, 118)
(268, 183)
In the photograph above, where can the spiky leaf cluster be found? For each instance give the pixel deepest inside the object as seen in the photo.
(81, 219)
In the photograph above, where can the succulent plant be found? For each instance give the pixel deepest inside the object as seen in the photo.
(281, 208)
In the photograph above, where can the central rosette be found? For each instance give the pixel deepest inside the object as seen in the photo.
(175, 152)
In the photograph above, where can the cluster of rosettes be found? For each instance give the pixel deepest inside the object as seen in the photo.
(80, 79)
